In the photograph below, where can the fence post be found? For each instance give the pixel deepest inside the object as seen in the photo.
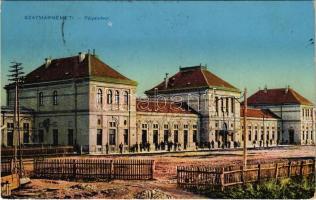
(301, 169)
(222, 179)
(152, 169)
(259, 172)
(276, 171)
(242, 174)
(289, 169)
(112, 170)
(74, 168)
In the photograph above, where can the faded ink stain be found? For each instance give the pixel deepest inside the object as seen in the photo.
(62, 31)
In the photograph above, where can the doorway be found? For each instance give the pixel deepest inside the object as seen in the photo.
(55, 137)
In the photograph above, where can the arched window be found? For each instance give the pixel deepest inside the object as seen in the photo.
(109, 96)
(55, 97)
(117, 97)
(126, 98)
(40, 98)
(99, 97)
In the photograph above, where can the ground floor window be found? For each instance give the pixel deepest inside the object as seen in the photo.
(216, 135)
(10, 134)
(165, 135)
(41, 136)
(249, 136)
(26, 133)
(99, 136)
(112, 137)
(126, 136)
(175, 136)
(70, 136)
(55, 136)
(155, 136)
(195, 136)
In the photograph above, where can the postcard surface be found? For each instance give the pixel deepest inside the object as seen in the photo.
(158, 99)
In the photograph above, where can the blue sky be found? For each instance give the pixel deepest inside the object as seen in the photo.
(249, 44)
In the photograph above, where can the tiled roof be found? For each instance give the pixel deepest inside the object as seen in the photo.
(163, 107)
(70, 67)
(258, 113)
(278, 96)
(192, 78)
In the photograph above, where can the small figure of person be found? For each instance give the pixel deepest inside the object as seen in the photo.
(148, 146)
(140, 147)
(212, 144)
(121, 148)
(209, 145)
(107, 148)
(219, 144)
(267, 143)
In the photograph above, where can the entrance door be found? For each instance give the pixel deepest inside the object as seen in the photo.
(291, 136)
(144, 137)
(224, 138)
(185, 139)
(165, 136)
(55, 137)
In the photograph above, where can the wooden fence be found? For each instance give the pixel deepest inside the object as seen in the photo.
(30, 152)
(202, 178)
(6, 167)
(94, 169)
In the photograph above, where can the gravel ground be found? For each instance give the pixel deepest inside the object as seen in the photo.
(164, 185)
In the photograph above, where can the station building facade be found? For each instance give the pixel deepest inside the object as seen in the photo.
(82, 101)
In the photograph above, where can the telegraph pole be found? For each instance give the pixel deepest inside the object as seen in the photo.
(245, 129)
(17, 78)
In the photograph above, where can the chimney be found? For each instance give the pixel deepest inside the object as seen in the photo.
(287, 89)
(166, 80)
(265, 89)
(48, 61)
(81, 56)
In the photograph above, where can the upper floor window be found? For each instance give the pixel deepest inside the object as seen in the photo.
(155, 126)
(40, 98)
(109, 97)
(55, 97)
(99, 97)
(227, 105)
(126, 98)
(144, 126)
(117, 97)
(232, 101)
(216, 104)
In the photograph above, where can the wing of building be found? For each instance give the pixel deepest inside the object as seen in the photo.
(82, 101)
(297, 113)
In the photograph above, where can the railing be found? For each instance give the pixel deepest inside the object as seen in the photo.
(202, 178)
(94, 169)
(28, 152)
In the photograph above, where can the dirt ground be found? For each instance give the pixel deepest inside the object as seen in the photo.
(164, 184)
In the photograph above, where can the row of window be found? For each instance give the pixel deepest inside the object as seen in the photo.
(305, 135)
(166, 126)
(225, 104)
(307, 112)
(41, 98)
(109, 97)
(10, 133)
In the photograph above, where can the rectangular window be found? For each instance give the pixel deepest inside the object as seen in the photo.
(70, 136)
(227, 105)
(41, 136)
(125, 136)
(195, 136)
(175, 139)
(10, 128)
(303, 135)
(232, 101)
(26, 133)
(165, 135)
(55, 136)
(99, 136)
(112, 137)
(249, 136)
(166, 126)
(155, 126)
(216, 105)
(144, 126)
(176, 126)
(256, 135)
